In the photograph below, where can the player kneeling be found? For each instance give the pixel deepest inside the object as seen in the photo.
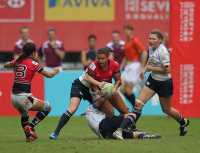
(22, 98)
(113, 127)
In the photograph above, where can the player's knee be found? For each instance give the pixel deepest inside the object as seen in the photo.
(166, 111)
(130, 114)
(47, 106)
(26, 114)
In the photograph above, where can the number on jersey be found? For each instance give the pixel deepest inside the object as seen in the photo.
(20, 71)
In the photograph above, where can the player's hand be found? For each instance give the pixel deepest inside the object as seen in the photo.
(53, 44)
(56, 70)
(101, 84)
(143, 71)
(127, 107)
(99, 93)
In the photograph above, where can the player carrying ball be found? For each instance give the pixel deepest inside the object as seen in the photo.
(22, 98)
(159, 81)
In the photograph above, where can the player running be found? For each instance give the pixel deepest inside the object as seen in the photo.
(159, 81)
(22, 98)
(114, 126)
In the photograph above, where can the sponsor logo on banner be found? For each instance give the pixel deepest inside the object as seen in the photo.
(146, 10)
(187, 80)
(187, 21)
(79, 10)
(17, 10)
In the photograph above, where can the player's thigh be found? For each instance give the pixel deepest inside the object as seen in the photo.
(165, 103)
(40, 105)
(117, 102)
(107, 108)
(74, 103)
(145, 94)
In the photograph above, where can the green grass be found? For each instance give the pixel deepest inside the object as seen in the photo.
(77, 137)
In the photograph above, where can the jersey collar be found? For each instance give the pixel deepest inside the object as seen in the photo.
(107, 67)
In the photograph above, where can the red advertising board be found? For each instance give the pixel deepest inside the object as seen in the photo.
(6, 108)
(184, 39)
(75, 20)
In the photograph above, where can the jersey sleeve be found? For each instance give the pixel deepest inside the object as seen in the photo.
(13, 62)
(164, 56)
(140, 48)
(117, 67)
(92, 69)
(16, 50)
(37, 66)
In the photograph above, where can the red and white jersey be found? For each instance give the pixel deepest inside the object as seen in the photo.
(23, 75)
(100, 75)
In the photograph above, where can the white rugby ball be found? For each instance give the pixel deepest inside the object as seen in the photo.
(107, 90)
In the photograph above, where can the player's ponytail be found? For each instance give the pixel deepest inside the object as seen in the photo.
(28, 48)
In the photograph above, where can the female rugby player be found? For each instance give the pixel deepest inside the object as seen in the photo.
(104, 69)
(159, 81)
(79, 90)
(22, 98)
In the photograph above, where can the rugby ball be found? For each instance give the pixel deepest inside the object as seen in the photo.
(107, 90)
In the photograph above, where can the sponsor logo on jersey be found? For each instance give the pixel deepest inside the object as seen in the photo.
(110, 72)
(35, 63)
(93, 66)
(79, 10)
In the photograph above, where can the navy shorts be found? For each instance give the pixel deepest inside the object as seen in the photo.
(109, 125)
(162, 88)
(80, 91)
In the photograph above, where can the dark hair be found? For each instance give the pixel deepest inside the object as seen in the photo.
(115, 31)
(51, 29)
(92, 36)
(28, 48)
(128, 26)
(158, 33)
(109, 49)
(23, 28)
(103, 50)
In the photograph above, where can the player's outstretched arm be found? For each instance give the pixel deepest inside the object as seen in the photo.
(91, 80)
(50, 74)
(8, 64)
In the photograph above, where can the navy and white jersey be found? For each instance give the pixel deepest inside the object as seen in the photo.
(81, 78)
(159, 58)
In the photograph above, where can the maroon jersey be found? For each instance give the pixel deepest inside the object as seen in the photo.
(118, 50)
(100, 75)
(48, 54)
(23, 75)
(18, 47)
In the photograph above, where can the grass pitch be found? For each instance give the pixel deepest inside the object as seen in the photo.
(77, 137)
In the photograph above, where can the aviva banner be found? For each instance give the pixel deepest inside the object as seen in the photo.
(79, 10)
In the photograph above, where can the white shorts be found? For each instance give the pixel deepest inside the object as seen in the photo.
(132, 72)
(95, 95)
(50, 69)
(23, 100)
(94, 117)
